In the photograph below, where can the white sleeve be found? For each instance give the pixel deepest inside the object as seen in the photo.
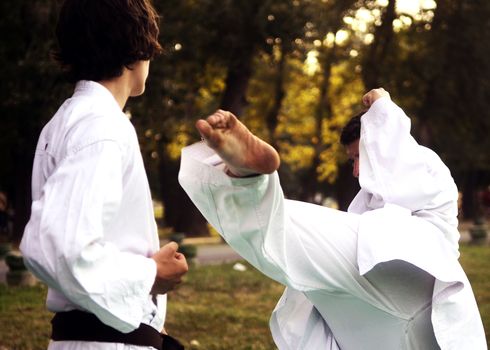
(393, 167)
(65, 246)
(301, 245)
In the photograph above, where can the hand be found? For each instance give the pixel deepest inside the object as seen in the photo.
(369, 98)
(171, 266)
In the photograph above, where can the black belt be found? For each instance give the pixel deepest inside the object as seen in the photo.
(83, 326)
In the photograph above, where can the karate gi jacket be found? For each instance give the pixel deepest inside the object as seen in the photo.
(92, 230)
(406, 211)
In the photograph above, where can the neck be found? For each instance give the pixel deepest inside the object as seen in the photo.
(119, 88)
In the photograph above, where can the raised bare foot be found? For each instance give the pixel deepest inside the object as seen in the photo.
(243, 152)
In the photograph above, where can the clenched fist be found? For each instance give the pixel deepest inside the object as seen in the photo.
(369, 98)
(171, 266)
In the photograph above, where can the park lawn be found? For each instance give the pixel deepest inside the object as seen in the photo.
(215, 308)
(476, 263)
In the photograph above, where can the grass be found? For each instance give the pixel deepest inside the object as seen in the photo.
(215, 308)
(475, 261)
(221, 308)
(24, 322)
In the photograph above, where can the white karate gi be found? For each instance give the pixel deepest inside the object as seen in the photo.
(385, 276)
(92, 230)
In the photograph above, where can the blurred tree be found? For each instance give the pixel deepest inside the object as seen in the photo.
(244, 29)
(327, 21)
(32, 89)
(180, 89)
(398, 57)
(286, 27)
(456, 106)
(307, 130)
(211, 49)
(382, 49)
(433, 63)
(293, 70)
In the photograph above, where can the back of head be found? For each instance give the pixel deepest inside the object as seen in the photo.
(98, 38)
(352, 130)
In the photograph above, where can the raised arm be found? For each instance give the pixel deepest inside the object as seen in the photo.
(394, 168)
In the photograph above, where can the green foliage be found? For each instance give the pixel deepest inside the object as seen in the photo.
(31, 85)
(461, 81)
(344, 94)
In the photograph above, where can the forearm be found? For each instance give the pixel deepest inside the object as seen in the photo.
(100, 279)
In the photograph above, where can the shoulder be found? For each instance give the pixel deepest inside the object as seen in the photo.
(94, 120)
(83, 121)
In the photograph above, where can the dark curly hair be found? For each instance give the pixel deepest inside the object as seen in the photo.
(352, 130)
(98, 38)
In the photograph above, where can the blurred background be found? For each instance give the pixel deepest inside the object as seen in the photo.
(294, 72)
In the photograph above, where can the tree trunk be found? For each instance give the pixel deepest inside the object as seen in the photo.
(469, 203)
(378, 50)
(272, 118)
(22, 194)
(346, 186)
(237, 79)
(180, 213)
(311, 186)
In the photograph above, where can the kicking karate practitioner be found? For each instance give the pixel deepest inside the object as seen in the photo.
(384, 276)
(92, 236)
